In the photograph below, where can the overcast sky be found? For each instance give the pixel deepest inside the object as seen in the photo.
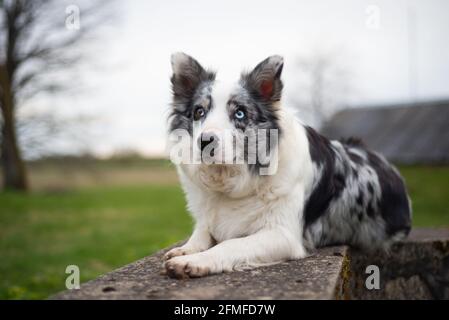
(132, 95)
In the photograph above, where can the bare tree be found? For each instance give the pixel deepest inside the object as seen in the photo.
(38, 40)
(324, 84)
(46, 134)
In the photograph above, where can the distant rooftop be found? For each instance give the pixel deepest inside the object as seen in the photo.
(405, 133)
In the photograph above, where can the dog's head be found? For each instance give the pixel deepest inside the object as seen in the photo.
(226, 126)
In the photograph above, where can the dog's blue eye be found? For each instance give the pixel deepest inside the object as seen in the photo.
(239, 114)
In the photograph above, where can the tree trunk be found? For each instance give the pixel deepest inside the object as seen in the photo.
(14, 173)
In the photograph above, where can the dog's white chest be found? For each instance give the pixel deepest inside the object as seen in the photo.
(229, 219)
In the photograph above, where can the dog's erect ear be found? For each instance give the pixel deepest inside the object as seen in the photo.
(187, 75)
(265, 79)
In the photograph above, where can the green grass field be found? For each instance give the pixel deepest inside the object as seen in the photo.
(97, 229)
(102, 227)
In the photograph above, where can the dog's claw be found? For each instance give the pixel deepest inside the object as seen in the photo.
(181, 268)
(175, 252)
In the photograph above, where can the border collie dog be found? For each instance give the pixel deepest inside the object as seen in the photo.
(311, 192)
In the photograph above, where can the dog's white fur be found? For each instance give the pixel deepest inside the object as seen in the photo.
(244, 221)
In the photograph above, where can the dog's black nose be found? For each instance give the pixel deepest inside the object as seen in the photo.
(205, 139)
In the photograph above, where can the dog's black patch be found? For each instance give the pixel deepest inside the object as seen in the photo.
(394, 204)
(370, 188)
(354, 157)
(330, 184)
(352, 141)
(360, 199)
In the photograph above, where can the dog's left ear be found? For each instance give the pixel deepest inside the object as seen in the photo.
(265, 79)
(187, 75)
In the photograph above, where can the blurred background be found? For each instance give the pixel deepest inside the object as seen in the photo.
(85, 93)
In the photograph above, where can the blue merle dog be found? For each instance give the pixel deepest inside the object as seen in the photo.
(316, 192)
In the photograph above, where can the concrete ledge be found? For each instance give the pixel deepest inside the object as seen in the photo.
(415, 268)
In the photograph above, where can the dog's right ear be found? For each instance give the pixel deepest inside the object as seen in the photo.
(265, 79)
(188, 74)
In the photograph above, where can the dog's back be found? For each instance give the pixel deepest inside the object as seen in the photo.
(357, 197)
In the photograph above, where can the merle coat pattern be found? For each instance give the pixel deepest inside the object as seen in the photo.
(319, 192)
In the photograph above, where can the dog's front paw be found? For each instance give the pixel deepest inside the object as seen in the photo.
(190, 266)
(179, 251)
